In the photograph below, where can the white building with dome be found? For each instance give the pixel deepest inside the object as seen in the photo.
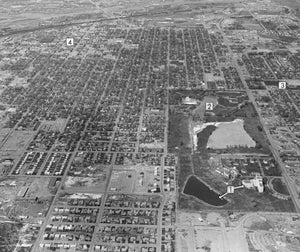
(256, 182)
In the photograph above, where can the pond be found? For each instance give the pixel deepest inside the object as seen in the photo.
(198, 189)
(279, 186)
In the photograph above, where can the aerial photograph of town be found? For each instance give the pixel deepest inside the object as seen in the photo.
(150, 125)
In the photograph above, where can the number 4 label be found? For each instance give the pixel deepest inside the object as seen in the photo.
(209, 106)
(282, 85)
(70, 41)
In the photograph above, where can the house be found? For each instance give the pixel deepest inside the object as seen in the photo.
(189, 101)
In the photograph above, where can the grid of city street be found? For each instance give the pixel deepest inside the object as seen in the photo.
(173, 127)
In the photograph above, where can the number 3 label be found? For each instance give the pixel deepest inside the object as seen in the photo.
(282, 85)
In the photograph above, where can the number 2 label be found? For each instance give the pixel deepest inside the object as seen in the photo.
(209, 106)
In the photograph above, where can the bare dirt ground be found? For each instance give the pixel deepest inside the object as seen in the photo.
(39, 188)
(209, 232)
(3, 134)
(84, 184)
(134, 178)
(218, 232)
(122, 181)
(18, 140)
(230, 133)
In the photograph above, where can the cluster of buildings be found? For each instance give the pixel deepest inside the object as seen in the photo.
(256, 182)
(129, 235)
(281, 113)
(107, 99)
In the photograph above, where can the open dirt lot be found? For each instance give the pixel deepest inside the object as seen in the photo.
(122, 181)
(39, 188)
(209, 232)
(238, 232)
(230, 134)
(3, 134)
(84, 184)
(135, 178)
(18, 140)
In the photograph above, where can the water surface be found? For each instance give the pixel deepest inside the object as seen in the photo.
(201, 191)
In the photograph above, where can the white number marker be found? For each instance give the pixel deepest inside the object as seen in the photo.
(230, 189)
(282, 85)
(209, 106)
(70, 41)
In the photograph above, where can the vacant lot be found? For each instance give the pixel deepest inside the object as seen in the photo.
(230, 134)
(9, 236)
(122, 181)
(3, 134)
(252, 124)
(39, 187)
(18, 140)
(86, 184)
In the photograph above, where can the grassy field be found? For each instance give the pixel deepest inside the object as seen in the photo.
(190, 203)
(254, 129)
(203, 171)
(185, 168)
(9, 236)
(178, 136)
(251, 200)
